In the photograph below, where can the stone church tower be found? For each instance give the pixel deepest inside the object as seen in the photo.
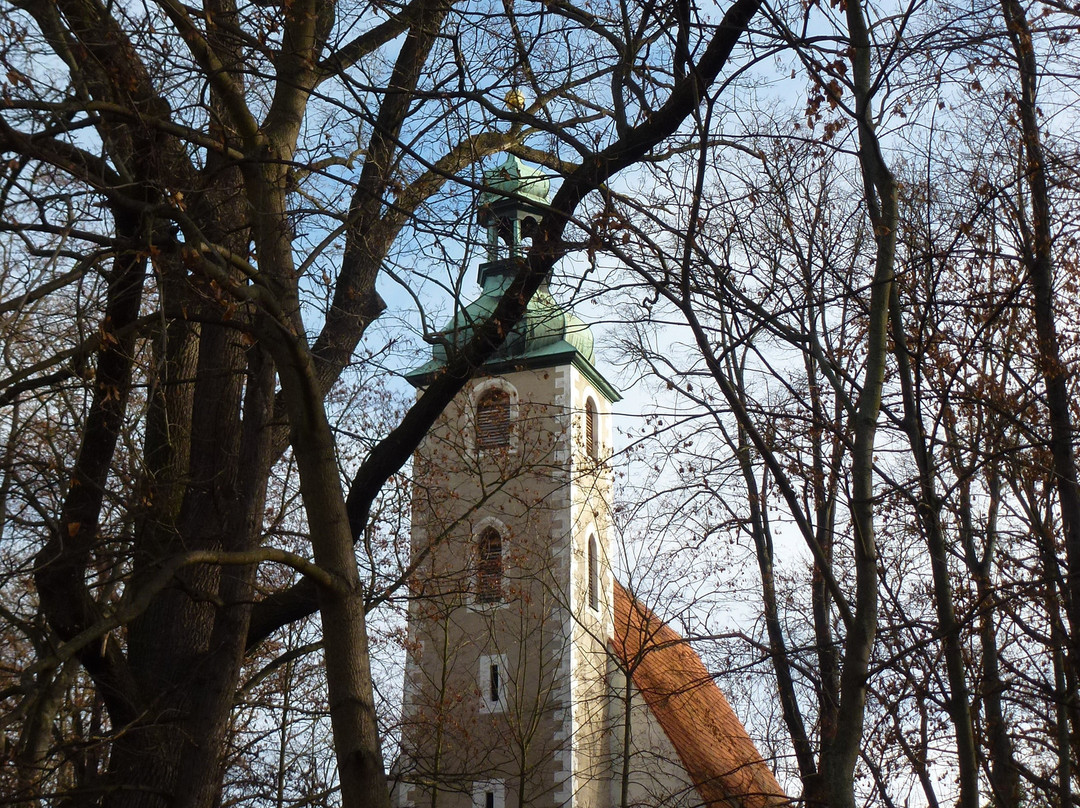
(533, 678)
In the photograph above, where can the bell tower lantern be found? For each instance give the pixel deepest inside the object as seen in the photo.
(511, 208)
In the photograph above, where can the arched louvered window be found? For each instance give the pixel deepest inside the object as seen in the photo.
(593, 584)
(489, 566)
(592, 439)
(493, 420)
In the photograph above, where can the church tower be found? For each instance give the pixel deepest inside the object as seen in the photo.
(512, 601)
(533, 678)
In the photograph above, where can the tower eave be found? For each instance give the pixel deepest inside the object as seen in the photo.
(559, 353)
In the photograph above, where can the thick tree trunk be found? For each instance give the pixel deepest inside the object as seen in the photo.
(185, 650)
(342, 609)
(201, 760)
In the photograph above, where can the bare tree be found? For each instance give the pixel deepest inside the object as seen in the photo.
(922, 643)
(206, 198)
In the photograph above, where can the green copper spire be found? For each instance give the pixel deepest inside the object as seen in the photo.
(511, 208)
(514, 182)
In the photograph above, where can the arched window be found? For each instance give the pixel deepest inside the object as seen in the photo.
(489, 566)
(493, 420)
(593, 585)
(592, 440)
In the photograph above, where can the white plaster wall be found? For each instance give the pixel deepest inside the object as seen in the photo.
(657, 778)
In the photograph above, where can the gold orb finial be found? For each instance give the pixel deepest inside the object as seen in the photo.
(515, 100)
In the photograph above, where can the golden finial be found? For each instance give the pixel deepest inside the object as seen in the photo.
(515, 100)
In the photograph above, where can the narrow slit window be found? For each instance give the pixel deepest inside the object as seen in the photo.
(593, 585)
(592, 446)
(493, 420)
(489, 794)
(491, 686)
(489, 569)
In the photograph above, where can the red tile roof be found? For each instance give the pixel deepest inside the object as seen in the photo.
(712, 743)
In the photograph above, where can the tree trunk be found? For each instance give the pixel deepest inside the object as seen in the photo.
(838, 763)
(1056, 375)
(929, 508)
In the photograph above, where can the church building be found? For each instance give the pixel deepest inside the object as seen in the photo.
(533, 678)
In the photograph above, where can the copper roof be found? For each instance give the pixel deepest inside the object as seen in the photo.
(710, 740)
